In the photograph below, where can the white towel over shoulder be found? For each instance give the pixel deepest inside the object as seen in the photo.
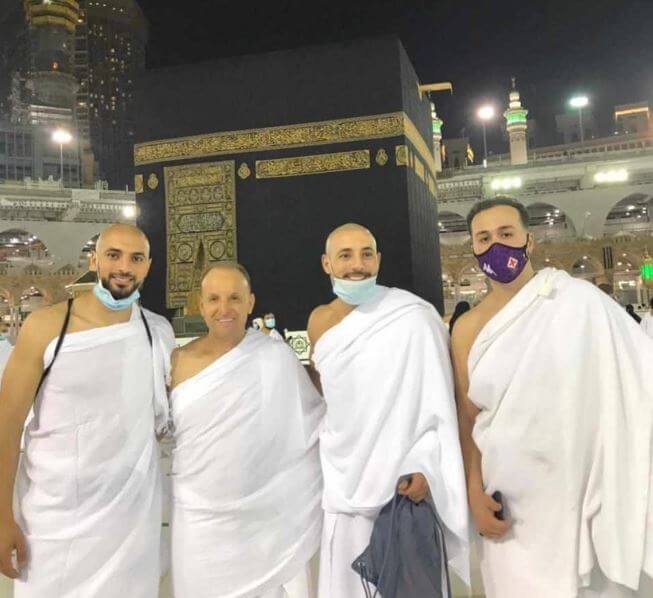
(246, 480)
(561, 375)
(386, 376)
(88, 486)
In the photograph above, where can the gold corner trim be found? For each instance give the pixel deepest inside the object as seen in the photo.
(432, 188)
(413, 135)
(419, 169)
(138, 183)
(271, 138)
(401, 155)
(316, 164)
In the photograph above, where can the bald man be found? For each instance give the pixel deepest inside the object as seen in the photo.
(383, 364)
(87, 517)
(246, 479)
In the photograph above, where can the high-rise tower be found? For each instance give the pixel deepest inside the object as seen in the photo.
(51, 76)
(110, 56)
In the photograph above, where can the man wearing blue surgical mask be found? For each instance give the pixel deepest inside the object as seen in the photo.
(88, 488)
(269, 327)
(381, 355)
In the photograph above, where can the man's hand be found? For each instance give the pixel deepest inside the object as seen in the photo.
(483, 508)
(414, 487)
(12, 539)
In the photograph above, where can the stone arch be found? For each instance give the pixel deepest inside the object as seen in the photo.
(63, 239)
(472, 284)
(448, 290)
(22, 248)
(6, 302)
(32, 298)
(626, 279)
(541, 260)
(85, 252)
(452, 228)
(631, 215)
(588, 268)
(548, 222)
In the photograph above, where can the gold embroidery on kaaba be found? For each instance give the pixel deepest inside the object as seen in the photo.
(416, 139)
(317, 164)
(271, 138)
(153, 181)
(419, 168)
(244, 171)
(401, 155)
(381, 157)
(432, 186)
(138, 183)
(200, 225)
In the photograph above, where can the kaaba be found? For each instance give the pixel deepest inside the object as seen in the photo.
(257, 158)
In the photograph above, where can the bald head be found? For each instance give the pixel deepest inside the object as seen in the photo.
(232, 267)
(226, 300)
(123, 233)
(351, 253)
(121, 259)
(346, 231)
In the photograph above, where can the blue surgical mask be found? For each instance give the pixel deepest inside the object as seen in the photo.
(108, 300)
(270, 323)
(354, 292)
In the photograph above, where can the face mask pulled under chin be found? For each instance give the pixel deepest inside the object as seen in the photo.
(354, 292)
(503, 263)
(105, 297)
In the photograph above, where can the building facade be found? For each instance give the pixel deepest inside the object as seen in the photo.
(109, 57)
(590, 206)
(46, 234)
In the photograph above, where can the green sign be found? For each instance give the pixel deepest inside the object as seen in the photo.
(646, 272)
(516, 117)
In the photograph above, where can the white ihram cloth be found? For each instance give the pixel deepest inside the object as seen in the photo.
(647, 324)
(387, 381)
(5, 352)
(88, 486)
(560, 375)
(246, 480)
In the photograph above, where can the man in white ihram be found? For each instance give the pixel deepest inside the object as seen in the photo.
(246, 479)
(383, 361)
(556, 414)
(88, 518)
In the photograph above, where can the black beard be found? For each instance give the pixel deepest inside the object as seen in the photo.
(118, 294)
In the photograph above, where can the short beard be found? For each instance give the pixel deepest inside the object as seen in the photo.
(118, 294)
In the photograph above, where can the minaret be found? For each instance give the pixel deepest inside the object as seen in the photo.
(516, 125)
(437, 138)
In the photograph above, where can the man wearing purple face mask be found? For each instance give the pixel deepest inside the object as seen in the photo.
(555, 414)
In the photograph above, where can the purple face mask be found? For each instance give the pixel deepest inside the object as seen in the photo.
(503, 263)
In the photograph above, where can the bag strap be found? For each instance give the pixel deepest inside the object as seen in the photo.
(57, 347)
(147, 326)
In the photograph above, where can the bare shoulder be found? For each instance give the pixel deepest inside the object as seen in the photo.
(466, 330)
(43, 325)
(321, 319)
(188, 350)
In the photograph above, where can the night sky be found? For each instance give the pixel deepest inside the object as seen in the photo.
(555, 48)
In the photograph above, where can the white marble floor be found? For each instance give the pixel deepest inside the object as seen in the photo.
(460, 591)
